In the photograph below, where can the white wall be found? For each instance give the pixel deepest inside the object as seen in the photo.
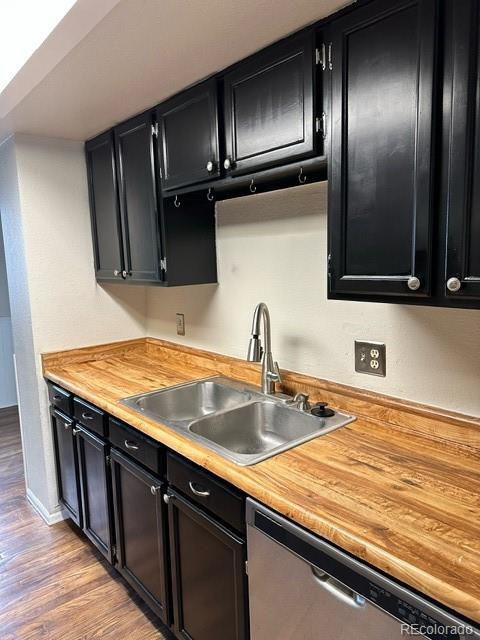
(272, 247)
(8, 395)
(56, 303)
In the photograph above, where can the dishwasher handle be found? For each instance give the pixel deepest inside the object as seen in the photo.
(337, 589)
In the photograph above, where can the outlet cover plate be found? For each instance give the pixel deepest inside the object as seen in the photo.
(180, 322)
(370, 357)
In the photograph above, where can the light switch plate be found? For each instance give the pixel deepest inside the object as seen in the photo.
(370, 357)
(180, 322)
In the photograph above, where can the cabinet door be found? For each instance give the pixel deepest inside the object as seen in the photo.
(66, 465)
(96, 490)
(188, 130)
(138, 200)
(462, 273)
(269, 106)
(140, 531)
(105, 213)
(208, 575)
(380, 165)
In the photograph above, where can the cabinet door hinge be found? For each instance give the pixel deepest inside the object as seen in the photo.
(329, 263)
(246, 567)
(321, 57)
(155, 130)
(114, 552)
(163, 264)
(108, 461)
(329, 61)
(321, 125)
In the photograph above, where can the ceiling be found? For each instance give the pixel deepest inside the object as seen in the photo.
(109, 59)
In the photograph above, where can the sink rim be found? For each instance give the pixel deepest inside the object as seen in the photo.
(182, 426)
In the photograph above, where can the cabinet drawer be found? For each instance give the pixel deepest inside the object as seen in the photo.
(90, 417)
(136, 445)
(60, 398)
(212, 494)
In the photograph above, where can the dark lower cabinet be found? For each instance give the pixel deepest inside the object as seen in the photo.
(96, 490)
(140, 532)
(381, 161)
(208, 575)
(461, 281)
(66, 465)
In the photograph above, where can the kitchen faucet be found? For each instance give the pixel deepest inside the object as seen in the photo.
(256, 353)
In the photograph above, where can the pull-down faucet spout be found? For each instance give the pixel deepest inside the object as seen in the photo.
(270, 370)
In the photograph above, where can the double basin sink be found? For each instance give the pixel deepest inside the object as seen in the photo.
(234, 419)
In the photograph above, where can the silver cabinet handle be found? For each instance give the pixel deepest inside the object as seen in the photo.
(210, 166)
(87, 416)
(154, 490)
(198, 492)
(337, 589)
(227, 163)
(67, 425)
(75, 431)
(117, 273)
(124, 274)
(131, 445)
(414, 283)
(167, 497)
(454, 285)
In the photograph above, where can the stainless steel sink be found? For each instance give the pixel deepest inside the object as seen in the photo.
(261, 429)
(234, 419)
(186, 402)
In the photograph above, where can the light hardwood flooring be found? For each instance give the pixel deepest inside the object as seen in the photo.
(53, 584)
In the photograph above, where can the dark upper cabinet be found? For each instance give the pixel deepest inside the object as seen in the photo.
(188, 136)
(105, 212)
(269, 107)
(208, 575)
(66, 465)
(381, 156)
(140, 528)
(134, 146)
(96, 491)
(461, 280)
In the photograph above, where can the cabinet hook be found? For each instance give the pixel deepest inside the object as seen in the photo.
(302, 178)
(177, 202)
(210, 195)
(252, 186)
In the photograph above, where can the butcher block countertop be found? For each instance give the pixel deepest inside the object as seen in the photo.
(398, 488)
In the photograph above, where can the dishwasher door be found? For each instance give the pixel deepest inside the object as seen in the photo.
(303, 588)
(291, 600)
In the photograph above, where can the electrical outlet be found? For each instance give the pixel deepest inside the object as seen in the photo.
(180, 322)
(370, 357)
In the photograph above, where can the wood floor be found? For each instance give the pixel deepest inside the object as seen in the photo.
(53, 584)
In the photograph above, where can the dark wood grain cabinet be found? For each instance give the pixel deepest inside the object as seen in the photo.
(141, 531)
(188, 130)
(269, 107)
(95, 482)
(66, 460)
(134, 146)
(381, 159)
(460, 282)
(208, 575)
(104, 208)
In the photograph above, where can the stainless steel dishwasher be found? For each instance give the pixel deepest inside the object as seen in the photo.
(303, 588)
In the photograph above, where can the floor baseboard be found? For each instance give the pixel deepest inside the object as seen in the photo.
(50, 518)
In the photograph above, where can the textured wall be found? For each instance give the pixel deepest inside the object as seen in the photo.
(272, 247)
(8, 395)
(55, 300)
